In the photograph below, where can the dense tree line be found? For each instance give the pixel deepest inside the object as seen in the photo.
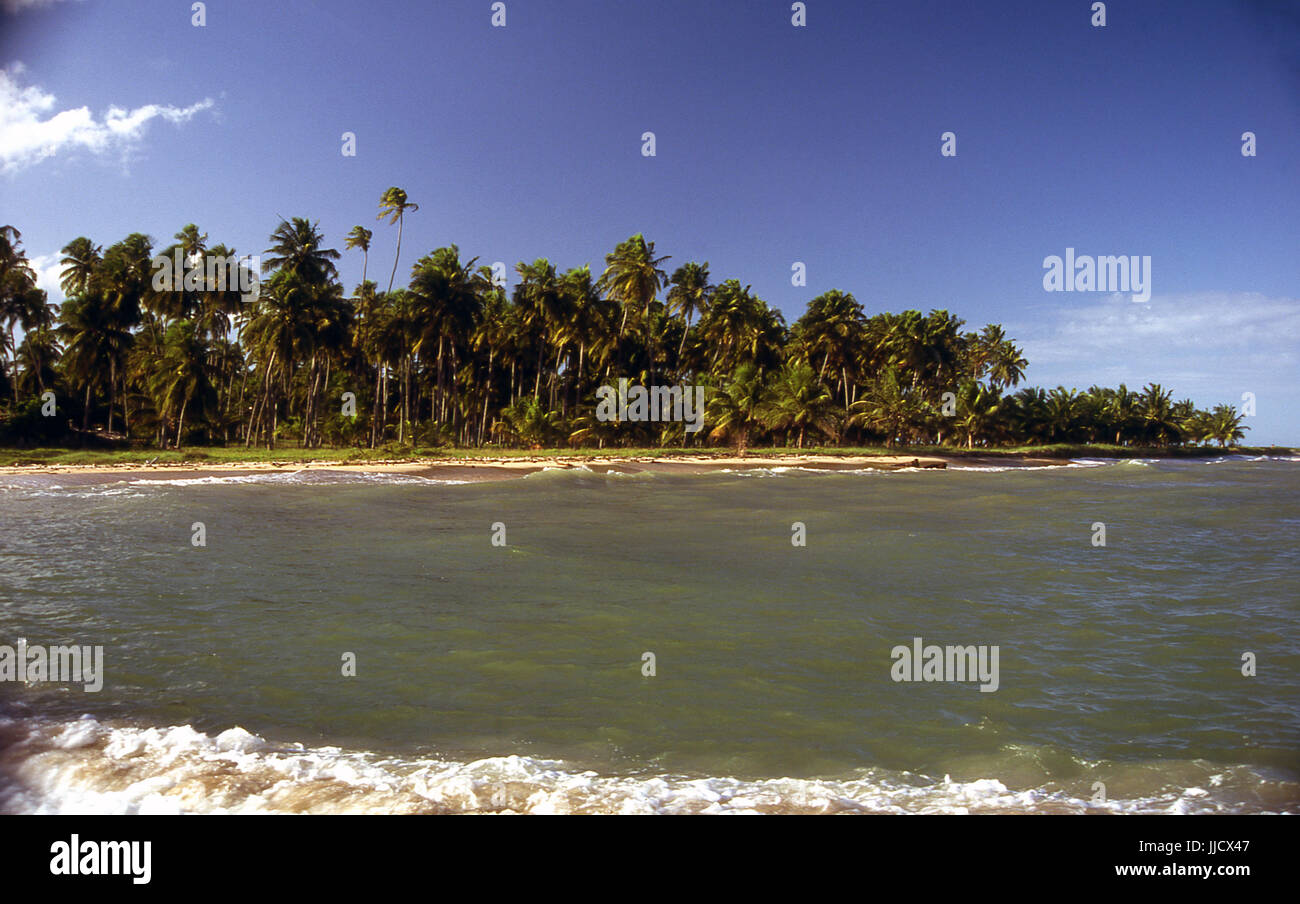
(452, 358)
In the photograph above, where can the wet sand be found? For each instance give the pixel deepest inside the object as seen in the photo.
(505, 468)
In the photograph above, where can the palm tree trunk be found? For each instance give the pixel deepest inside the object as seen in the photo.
(401, 221)
(112, 389)
(15, 359)
(180, 424)
(442, 408)
(374, 409)
(487, 394)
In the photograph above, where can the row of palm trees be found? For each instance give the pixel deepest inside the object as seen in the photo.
(453, 358)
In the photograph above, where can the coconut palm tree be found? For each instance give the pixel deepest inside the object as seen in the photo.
(38, 354)
(800, 401)
(180, 378)
(360, 237)
(1159, 422)
(448, 297)
(1008, 365)
(88, 330)
(632, 276)
(889, 407)
(741, 328)
(297, 250)
(978, 410)
(1225, 425)
(394, 205)
(21, 302)
(689, 294)
(738, 409)
(829, 334)
(81, 259)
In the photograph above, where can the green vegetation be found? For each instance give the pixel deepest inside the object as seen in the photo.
(453, 362)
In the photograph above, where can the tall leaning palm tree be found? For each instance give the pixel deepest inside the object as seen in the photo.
(20, 300)
(393, 205)
(360, 237)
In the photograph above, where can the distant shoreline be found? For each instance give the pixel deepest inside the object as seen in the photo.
(489, 468)
(475, 466)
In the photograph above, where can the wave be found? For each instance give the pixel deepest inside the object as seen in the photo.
(138, 487)
(86, 767)
(319, 477)
(134, 487)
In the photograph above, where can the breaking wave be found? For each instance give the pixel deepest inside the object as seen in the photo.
(86, 767)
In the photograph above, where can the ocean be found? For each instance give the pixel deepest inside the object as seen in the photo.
(634, 641)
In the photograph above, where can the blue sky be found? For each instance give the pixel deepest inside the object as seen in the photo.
(774, 144)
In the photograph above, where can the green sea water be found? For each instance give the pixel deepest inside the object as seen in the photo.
(513, 677)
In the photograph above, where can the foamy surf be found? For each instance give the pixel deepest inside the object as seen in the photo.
(139, 487)
(87, 767)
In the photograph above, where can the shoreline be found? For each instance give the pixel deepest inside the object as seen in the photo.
(504, 467)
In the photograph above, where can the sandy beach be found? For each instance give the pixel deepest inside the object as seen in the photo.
(505, 468)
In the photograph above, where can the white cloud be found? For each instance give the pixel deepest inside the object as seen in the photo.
(17, 6)
(48, 273)
(1199, 339)
(1208, 346)
(28, 134)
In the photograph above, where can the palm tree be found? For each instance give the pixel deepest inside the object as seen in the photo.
(87, 329)
(632, 276)
(38, 354)
(544, 309)
(181, 378)
(528, 421)
(448, 296)
(1225, 425)
(1063, 414)
(1159, 423)
(296, 249)
(978, 409)
(734, 326)
(1008, 365)
(889, 407)
(81, 259)
(1122, 412)
(393, 205)
(20, 300)
(689, 295)
(800, 401)
(830, 331)
(738, 408)
(360, 237)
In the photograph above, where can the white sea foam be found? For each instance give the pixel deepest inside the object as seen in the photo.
(86, 767)
(321, 477)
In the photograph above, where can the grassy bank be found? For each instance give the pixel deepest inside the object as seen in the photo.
(226, 455)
